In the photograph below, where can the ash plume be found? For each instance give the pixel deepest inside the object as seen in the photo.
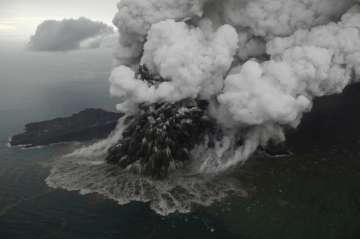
(259, 63)
(71, 34)
(204, 84)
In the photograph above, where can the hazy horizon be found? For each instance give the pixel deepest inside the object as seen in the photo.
(19, 18)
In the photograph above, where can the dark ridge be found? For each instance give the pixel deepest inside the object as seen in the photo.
(86, 125)
(161, 134)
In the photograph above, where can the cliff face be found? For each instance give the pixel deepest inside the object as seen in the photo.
(86, 125)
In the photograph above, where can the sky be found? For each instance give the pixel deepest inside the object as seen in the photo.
(19, 18)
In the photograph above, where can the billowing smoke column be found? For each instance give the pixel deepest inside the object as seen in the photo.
(211, 81)
(259, 63)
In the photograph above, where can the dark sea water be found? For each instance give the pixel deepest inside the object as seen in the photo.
(40, 86)
(312, 195)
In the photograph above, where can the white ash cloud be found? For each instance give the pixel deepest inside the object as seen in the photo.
(256, 19)
(135, 18)
(282, 17)
(308, 64)
(70, 34)
(195, 60)
(264, 61)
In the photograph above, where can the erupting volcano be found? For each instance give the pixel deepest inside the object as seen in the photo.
(203, 85)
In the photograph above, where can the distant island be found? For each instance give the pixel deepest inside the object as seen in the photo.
(89, 124)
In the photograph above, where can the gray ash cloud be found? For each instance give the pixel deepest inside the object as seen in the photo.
(69, 34)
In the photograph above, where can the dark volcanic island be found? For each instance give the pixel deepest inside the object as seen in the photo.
(86, 125)
(161, 134)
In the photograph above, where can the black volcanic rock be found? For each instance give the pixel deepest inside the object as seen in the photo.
(161, 134)
(86, 125)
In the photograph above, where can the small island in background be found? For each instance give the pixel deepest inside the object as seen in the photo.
(89, 124)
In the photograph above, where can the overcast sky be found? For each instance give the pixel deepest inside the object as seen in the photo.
(19, 18)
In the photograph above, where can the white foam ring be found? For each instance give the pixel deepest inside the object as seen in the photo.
(85, 171)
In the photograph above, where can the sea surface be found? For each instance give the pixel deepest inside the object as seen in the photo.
(312, 195)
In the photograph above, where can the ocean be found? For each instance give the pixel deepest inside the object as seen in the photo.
(40, 86)
(314, 195)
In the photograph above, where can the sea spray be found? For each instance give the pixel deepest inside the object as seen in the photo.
(180, 192)
(100, 148)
